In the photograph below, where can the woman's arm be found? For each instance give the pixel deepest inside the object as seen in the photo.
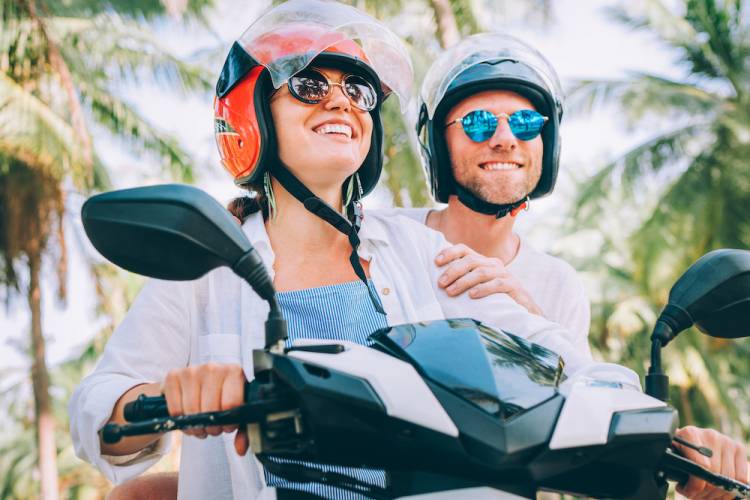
(154, 337)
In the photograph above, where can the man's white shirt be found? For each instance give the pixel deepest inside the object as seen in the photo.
(552, 283)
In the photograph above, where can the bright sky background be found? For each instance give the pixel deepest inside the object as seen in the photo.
(580, 43)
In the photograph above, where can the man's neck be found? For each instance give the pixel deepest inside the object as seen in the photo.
(485, 234)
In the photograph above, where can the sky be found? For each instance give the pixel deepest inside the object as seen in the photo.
(581, 43)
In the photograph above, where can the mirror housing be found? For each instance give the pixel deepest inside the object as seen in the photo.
(171, 232)
(713, 294)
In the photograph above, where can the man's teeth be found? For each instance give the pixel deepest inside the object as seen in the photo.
(330, 128)
(500, 166)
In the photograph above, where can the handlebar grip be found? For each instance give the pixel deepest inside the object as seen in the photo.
(111, 433)
(146, 408)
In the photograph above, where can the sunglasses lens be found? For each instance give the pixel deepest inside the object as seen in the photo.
(361, 93)
(526, 124)
(479, 125)
(309, 87)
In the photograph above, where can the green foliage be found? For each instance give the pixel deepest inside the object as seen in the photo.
(679, 194)
(61, 64)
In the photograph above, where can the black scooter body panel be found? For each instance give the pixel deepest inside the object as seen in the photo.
(623, 468)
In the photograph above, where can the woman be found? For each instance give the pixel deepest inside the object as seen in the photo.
(297, 120)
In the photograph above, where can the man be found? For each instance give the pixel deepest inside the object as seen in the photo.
(490, 111)
(476, 163)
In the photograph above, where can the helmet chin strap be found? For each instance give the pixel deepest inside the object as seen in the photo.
(483, 207)
(348, 226)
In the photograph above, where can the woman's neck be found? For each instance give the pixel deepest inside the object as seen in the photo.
(293, 226)
(309, 252)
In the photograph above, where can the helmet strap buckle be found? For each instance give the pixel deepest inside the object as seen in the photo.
(523, 206)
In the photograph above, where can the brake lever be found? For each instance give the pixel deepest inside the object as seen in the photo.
(259, 405)
(113, 433)
(706, 452)
(677, 468)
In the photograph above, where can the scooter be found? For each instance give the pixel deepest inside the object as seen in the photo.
(506, 422)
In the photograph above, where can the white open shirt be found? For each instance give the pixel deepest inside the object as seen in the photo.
(218, 318)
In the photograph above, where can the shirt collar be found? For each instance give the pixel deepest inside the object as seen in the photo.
(255, 230)
(372, 229)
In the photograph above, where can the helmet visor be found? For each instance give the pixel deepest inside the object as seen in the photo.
(478, 49)
(287, 38)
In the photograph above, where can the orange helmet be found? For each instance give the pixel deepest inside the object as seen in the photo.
(279, 45)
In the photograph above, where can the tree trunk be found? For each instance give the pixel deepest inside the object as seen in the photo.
(45, 421)
(447, 28)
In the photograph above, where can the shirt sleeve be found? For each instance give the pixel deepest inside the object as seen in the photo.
(575, 316)
(502, 312)
(152, 339)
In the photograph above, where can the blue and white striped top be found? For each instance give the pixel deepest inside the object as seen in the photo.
(334, 312)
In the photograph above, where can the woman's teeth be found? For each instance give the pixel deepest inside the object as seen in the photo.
(500, 166)
(330, 128)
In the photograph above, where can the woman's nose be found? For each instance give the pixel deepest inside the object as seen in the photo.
(338, 99)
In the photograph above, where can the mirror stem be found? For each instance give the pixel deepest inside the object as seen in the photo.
(251, 268)
(663, 332)
(657, 382)
(276, 327)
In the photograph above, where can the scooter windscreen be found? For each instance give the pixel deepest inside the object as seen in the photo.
(501, 373)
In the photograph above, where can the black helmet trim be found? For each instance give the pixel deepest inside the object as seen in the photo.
(236, 66)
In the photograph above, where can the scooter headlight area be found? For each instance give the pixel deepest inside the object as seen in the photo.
(453, 404)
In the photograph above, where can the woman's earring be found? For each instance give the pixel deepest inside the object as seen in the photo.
(349, 192)
(268, 191)
(353, 179)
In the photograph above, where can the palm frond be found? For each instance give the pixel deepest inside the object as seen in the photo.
(148, 11)
(402, 168)
(642, 95)
(33, 133)
(126, 124)
(638, 166)
(722, 26)
(711, 38)
(108, 47)
(466, 18)
(703, 210)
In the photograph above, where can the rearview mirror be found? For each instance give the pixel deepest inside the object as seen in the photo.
(171, 232)
(713, 294)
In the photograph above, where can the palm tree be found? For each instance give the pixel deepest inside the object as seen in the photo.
(58, 62)
(686, 189)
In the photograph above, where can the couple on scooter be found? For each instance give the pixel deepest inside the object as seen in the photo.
(297, 120)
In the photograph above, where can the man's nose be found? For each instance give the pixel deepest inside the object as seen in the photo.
(503, 138)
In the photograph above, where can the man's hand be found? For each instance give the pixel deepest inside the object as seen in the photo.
(465, 270)
(729, 459)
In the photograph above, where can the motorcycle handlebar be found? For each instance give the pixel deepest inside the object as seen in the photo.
(149, 414)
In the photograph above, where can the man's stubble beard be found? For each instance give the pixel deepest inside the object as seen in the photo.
(499, 195)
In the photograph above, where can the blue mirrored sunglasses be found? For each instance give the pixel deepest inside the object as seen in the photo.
(481, 124)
